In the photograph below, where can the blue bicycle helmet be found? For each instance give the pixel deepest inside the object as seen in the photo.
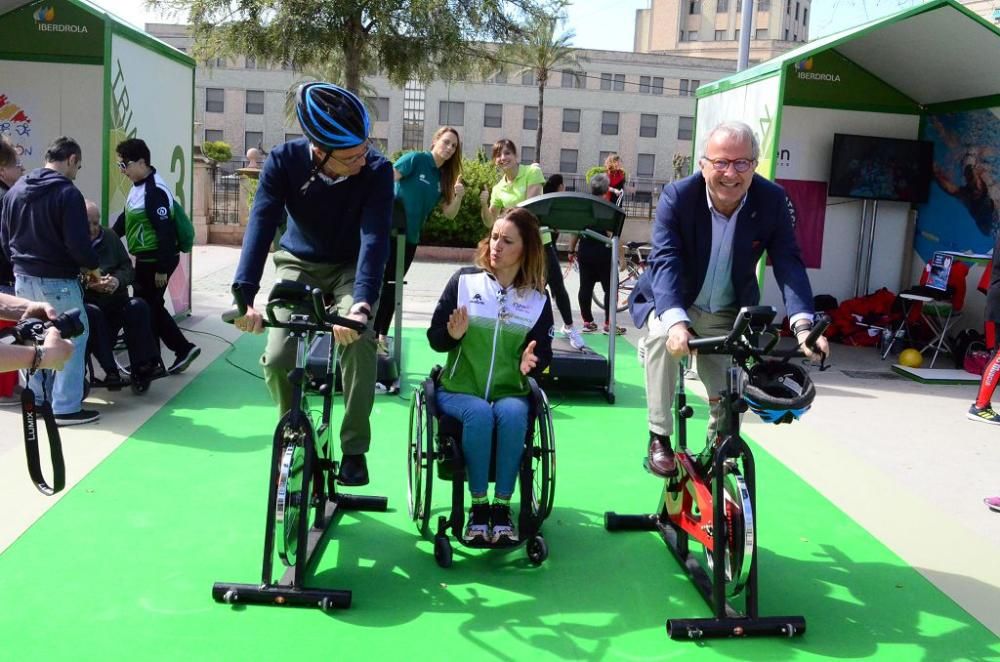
(778, 392)
(331, 117)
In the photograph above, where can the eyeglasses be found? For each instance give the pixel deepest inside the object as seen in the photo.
(722, 165)
(360, 156)
(124, 164)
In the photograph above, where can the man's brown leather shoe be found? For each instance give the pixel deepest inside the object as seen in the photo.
(660, 459)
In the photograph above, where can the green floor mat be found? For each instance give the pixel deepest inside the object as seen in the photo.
(122, 567)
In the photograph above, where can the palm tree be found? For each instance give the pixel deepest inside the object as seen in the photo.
(542, 52)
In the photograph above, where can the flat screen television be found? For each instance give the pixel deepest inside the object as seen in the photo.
(880, 168)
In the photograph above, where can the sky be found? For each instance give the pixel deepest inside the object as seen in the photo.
(609, 24)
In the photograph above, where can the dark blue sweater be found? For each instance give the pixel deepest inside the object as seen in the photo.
(339, 223)
(43, 227)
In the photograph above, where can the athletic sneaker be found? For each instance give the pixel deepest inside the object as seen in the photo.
(503, 528)
(590, 327)
(479, 522)
(984, 415)
(79, 418)
(575, 338)
(607, 329)
(993, 503)
(182, 361)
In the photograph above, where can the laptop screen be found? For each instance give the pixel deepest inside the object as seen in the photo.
(940, 270)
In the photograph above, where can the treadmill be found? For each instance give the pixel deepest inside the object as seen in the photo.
(582, 214)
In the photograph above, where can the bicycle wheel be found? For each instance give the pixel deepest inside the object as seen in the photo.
(626, 283)
(739, 540)
(543, 458)
(289, 514)
(418, 460)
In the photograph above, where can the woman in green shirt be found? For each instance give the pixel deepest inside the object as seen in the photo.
(517, 184)
(423, 179)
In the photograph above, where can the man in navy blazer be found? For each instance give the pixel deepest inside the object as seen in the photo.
(710, 231)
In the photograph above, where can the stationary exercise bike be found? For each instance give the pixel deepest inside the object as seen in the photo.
(302, 481)
(712, 498)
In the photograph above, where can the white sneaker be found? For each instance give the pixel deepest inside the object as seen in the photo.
(575, 337)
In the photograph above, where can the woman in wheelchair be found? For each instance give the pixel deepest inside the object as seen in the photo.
(495, 322)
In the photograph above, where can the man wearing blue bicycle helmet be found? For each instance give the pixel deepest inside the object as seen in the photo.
(337, 191)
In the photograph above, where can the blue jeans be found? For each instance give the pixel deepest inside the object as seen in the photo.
(64, 390)
(479, 417)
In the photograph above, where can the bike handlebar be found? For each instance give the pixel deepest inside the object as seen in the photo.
(735, 339)
(290, 294)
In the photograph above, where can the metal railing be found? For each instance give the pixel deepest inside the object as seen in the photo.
(224, 207)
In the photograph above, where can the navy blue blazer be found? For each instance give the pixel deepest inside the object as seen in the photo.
(682, 244)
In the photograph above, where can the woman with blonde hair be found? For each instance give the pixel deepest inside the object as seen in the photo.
(423, 180)
(616, 178)
(494, 320)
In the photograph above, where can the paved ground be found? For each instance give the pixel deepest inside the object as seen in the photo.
(897, 456)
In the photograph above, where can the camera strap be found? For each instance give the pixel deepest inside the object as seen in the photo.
(30, 412)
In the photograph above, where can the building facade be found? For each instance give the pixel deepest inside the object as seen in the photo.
(711, 28)
(638, 105)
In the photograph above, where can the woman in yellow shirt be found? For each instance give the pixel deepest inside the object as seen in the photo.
(518, 183)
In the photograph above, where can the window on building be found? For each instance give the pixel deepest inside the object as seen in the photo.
(739, 6)
(379, 107)
(214, 135)
(786, 34)
(487, 151)
(764, 5)
(721, 6)
(736, 35)
(250, 62)
(530, 118)
(761, 34)
(452, 113)
(694, 7)
(605, 81)
(788, 6)
(646, 165)
(692, 35)
(657, 84)
(695, 84)
(619, 85)
(528, 77)
(805, 17)
(493, 115)
(795, 37)
(292, 136)
(603, 156)
(644, 84)
(647, 126)
(720, 35)
(684, 87)
(567, 160)
(796, 11)
(571, 120)
(528, 155)
(220, 62)
(381, 144)
(215, 100)
(685, 128)
(500, 78)
(255, 102)
(682, 37)
(253, 139)
(609, 123)
(572, 79)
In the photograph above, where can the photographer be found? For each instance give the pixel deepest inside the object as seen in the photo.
(52, 354)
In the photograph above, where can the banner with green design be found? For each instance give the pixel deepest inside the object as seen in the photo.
(827, 79)
(53, 29)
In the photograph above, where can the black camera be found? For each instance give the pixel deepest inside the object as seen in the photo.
(32, 331)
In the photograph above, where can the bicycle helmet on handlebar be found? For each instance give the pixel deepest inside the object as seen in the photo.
(330, 116)
(778, 392)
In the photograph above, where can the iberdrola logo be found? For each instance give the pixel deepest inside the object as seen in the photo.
(804, 71)
(804, 65)
(45, 14)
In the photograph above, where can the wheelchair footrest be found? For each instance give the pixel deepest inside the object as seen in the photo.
(715, 628)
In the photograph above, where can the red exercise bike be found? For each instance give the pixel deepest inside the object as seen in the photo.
(711, 500)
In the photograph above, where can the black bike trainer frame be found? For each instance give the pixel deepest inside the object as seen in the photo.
(727, 620)
(324, 500)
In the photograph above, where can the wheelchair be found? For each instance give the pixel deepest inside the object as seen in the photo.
(435, 447)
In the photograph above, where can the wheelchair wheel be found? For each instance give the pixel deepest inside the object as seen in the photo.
(288, 514)
(543, 458)
(739, 534)
(420, 479)
(538, 551)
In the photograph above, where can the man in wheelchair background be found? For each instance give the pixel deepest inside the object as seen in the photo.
(495, 322)
(110, 309)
